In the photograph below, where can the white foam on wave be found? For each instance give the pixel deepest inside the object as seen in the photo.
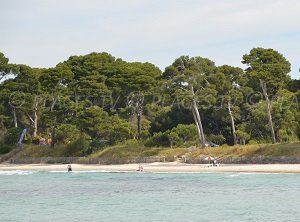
(15, 172)
(257, 173)
(235, 175)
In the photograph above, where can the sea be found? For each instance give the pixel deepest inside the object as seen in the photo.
(27, 196)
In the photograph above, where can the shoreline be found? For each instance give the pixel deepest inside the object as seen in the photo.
(171, 167)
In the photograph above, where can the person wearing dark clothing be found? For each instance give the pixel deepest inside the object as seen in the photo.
(69, 168)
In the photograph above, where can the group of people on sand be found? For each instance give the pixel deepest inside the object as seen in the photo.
(140, 169)
(44, 142)
(215, 163)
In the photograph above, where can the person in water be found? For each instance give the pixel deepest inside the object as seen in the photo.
(69, 168)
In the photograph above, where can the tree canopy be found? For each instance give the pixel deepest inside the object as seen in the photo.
(105, 100)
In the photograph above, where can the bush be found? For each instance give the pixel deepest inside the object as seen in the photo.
(252, 142)
(12, 136)
(218, 139)
(67, 133)
(133, 143)
(35, 140)
(158, 139)
(5, 148)
(93, 146)
(78, 148)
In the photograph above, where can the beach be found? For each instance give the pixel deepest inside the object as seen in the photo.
(171, 167)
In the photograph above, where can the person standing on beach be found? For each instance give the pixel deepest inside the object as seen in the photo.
(69, 168)
(141, 169)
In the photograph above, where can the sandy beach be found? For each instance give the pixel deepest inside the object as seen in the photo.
(172, 167)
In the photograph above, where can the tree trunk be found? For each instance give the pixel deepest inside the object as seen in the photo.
(52, 136)
(197, 125)
(54, 100)
(15, 117)
(35, 124)
(198, 119)
(35, 119)
(264, 89)
(139, 114)
(232, 123)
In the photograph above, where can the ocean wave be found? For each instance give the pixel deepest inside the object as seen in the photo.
(15, 172)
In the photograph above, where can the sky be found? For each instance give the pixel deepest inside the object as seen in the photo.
(42, 33)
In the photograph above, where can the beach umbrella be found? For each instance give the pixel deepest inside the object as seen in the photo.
(209, 158)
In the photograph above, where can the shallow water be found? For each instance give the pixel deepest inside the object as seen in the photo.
(98, 196)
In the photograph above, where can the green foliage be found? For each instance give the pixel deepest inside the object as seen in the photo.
(218, 139)
(67, 133)
(158, 139)
(86, 99)
(94, 121)
(173, 138)
(12, 136)
(268, 65)
(78, 148)
(185, 132)
(119, 130)
(4, 147)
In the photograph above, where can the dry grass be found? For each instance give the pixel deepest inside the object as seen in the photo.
(134, 151)
(44, 151)
(284, 149)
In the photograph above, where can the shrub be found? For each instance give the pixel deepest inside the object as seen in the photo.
(78, 147)
(4, 148)
(158, 139)
(35, 140)
(67, 133)
(218, 139)
(12, 136)
(251, 142)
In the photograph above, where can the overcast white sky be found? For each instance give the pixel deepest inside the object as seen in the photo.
(42, 33)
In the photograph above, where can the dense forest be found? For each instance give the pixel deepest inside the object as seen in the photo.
(94, 101)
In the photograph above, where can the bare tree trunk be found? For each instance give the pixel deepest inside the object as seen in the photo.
(35, 119)
(52, 136)
(264, 89)
(54, 100)
(137, 101)
(198, 118)
(139, 115)
(232, 123)
(15, 117)
(35, 124)
(197, 125)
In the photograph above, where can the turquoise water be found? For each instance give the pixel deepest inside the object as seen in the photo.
(98, 196)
